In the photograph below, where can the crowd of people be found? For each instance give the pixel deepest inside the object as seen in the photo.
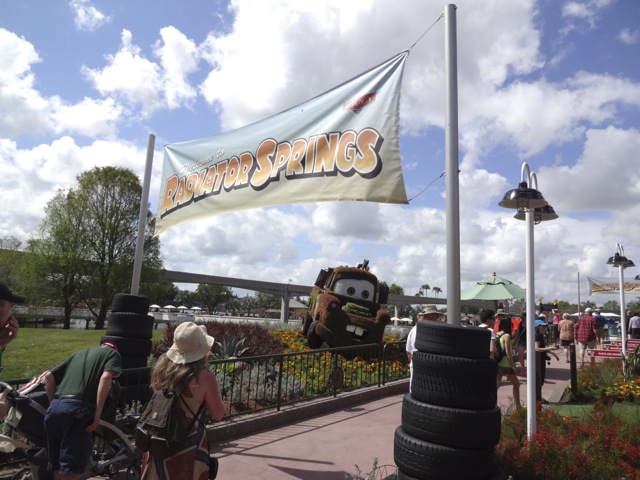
(560, 332)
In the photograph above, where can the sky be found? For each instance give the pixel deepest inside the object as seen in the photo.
(553, 83)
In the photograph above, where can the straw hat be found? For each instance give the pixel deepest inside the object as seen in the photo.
(428, 310)
(190, 343)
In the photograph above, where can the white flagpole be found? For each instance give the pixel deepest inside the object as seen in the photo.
(452, 167)
(142, 219)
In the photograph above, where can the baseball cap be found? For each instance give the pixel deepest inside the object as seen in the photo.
(6, 294)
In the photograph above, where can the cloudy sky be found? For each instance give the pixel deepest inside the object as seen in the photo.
(553, 83)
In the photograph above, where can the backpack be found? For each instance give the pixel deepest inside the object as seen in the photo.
(159, 430)
(499, 352)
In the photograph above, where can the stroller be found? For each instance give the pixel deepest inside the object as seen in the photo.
(112, 450)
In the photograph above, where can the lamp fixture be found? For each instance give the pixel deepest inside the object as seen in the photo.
(523, 197)
(540, 214)
(526, 196)
(619, 260)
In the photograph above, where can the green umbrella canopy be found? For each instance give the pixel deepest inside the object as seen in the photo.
(493, 288)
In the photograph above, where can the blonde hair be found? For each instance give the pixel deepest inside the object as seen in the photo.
(168, 374)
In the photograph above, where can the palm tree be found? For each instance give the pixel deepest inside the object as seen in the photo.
(436, 290)
(425, 288)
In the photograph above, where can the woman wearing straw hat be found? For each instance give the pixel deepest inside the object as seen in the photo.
(187, 358)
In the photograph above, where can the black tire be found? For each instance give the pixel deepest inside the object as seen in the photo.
(139, 347)
(313, 339)
(454, 382)
(130, 303)
(453, 340)
(130, 325)
(451, 427)
(426, 461)
(130, 361)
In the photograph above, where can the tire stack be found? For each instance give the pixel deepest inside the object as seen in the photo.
(450, 421)
(130, 327)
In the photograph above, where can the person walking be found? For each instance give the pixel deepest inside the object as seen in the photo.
(77, 390)
(634, 326)
(601, 323)
(586, 333)
(541, 357)
(506, 365)
(521, 342)
(429, 313)
(555, 322)
(566, 327)
(488, 320)
(186, 360)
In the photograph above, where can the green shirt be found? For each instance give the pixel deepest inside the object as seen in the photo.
(77, 376)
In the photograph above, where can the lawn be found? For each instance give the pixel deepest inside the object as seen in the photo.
(37, 349)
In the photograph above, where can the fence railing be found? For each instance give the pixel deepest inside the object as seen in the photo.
(252, 384)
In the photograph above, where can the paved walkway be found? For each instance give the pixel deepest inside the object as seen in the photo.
(329, 447)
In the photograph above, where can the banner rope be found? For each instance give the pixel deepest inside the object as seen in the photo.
(421, 36)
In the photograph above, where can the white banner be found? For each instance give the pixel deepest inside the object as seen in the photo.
(611, 286)
(341, 145)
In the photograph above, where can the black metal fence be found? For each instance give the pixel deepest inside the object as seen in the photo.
(252, 384)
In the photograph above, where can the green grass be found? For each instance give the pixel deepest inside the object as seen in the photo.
(38, 349)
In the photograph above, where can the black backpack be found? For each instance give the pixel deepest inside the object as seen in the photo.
(159, 430)
(499, 353)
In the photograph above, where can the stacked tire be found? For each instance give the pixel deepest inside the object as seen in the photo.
(450, 421)
(130, 327)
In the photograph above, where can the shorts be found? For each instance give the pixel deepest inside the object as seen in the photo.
(566, 343)
(589, 344)
(506, 371)
(69, 445)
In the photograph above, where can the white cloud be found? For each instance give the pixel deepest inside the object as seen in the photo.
(585, 10)
(628, 36)
(129, 76)
(178, 56)
(86, 16)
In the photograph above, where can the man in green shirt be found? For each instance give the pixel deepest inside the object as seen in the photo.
(77, 389)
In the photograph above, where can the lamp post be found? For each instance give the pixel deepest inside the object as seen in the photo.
(533, 209)
(619, 260)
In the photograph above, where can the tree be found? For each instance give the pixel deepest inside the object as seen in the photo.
(10, 257)
(248, 303)
(268, 300)
(160, 293)
(437, 291)
(102, 213)
(212, 295)
(611, 305)
(54, 273)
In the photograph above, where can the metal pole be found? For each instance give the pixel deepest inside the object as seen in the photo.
(579, 308)
(451, 167)
(142, 219)
(531, 334)
(623, 311)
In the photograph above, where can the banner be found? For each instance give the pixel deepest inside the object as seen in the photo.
(341, 145)
(611, 286)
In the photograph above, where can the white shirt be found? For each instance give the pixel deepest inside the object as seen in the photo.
(411, 340)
